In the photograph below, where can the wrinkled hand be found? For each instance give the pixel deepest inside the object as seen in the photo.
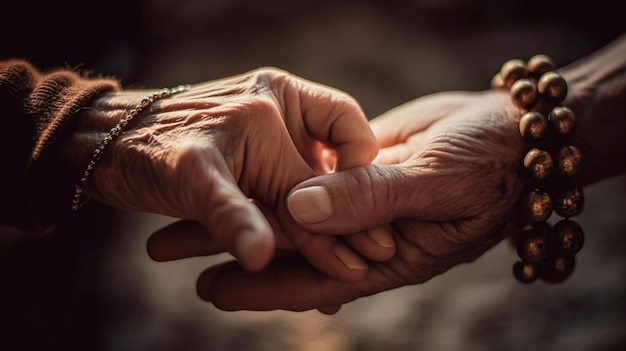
(223, 157)
(446, 181)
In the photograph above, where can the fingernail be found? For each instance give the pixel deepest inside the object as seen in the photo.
(310, 205)
(349, 258)
(382, 237)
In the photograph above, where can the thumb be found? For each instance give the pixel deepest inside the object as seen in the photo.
(233, 222)
(351, 200)
(238, 225)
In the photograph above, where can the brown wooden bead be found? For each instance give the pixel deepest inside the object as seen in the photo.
(533, 125)
(562, 119)
(540, 64)
(539, 163)
(569, 160)
(567, 237)
(497, 82)
(552, 86)
(538, 206)
(524, 94)
(569, 203)
(556, 269)
(525, 272)
(512, 70)
(532, 246)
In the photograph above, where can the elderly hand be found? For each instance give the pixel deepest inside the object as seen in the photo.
(446, 181)
(223, 156)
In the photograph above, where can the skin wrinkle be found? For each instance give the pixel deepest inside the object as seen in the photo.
(122, 187)
(456, 245)
(221, 211)
(361, 177)
(311, 150)
(457, 142)
(396, 271)
(335, 102)
(267, 110)
(208, 175)
(143, 152)
(395, 177)
(414, 260)
(312, 147)
(300, 241)
(331, 128)
(241, 153)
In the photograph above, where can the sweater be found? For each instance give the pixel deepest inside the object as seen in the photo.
(37, 109)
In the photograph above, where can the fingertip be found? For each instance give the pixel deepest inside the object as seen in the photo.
(329, 310)
(376, 244)
(152, 248)
(159, 245)
(385, 247)
(204, 284)
(254, 249)
(359, 153)
(181, 239)
(354, 268)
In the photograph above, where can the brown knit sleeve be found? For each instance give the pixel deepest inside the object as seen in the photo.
(36, 110)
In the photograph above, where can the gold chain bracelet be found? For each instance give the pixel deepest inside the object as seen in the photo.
(78, 199)
(545, 252)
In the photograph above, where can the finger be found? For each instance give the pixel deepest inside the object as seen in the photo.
(394, 154)
(330, 255)
(185, 239)
(333, 118)
(240, 226)
(179, 240)
(291, 285)
(235, 223)
(360, 198)
(376, 244)
(282, 240)
(354, 200)
(294, 285)
(329, 310)
(400, 122)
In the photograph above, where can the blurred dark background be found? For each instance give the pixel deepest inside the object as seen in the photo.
(91, 286)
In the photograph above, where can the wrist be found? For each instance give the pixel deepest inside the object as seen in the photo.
(597, 87)
(93, 124)
(545, 251)
(129, 116)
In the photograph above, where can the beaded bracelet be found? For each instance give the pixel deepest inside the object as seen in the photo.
(78, 200)
(545, 252)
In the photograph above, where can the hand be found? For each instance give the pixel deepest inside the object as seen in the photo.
(447, 182)
(223, 156)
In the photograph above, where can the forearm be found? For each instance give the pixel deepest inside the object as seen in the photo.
(597, 95)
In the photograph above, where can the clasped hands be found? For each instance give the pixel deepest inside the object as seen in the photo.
(318, 206)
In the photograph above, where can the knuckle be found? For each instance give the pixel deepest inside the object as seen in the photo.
(365, 189)
(269, 78)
